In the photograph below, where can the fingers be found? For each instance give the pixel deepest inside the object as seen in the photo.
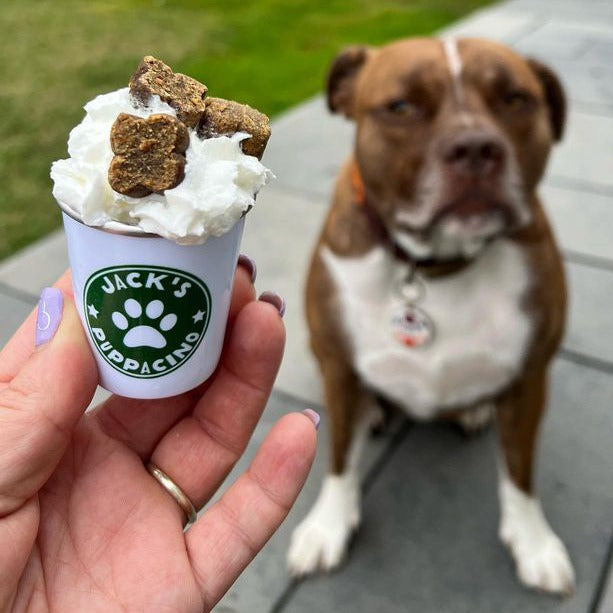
(140, 424)
(19, 348)
(230, 534)
(41, 404)
(202, 448)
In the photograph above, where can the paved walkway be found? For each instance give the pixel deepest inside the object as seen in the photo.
(428, 542)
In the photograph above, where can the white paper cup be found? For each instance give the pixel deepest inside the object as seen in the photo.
(154, 312)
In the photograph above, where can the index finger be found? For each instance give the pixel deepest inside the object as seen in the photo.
(233, 530)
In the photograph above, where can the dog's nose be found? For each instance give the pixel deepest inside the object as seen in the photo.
(476, 154)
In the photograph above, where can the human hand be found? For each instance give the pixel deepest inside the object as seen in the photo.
(84, 526)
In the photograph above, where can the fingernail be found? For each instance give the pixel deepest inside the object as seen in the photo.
(50, 307)
(313, 416)
(275, 300)
(249, 265)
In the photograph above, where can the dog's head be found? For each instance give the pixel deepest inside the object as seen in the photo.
(452, 137)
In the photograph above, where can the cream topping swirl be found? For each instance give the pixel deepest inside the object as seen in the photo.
(219, 186)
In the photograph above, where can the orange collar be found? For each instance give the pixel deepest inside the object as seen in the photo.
(359, 192)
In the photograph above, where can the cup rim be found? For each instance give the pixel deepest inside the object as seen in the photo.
(111, 227)
(116, 227)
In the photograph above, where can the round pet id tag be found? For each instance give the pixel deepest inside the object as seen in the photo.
(412, 327)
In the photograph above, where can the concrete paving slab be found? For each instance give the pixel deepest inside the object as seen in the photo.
(280, 234)
(36, 266)
(307, 147)
(582, 221)
(581, 54)
(100, 396)
(428, 541)
(590, 326)
(550, 47)
(586, 156)
(606, 606)
(265, 580)
(600, 51)
(495, 22)
(587, 84)
(14, 310)
(568, 38)
(586, 11)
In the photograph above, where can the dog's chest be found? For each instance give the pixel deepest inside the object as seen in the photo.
(481, 333)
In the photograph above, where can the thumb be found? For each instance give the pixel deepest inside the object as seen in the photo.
(41, 404)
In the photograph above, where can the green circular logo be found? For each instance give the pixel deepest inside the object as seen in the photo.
(146, 320)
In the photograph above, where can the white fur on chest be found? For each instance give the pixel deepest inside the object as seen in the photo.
(481, 332)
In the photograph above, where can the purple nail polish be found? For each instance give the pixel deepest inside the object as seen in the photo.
(249, 265)
(50, 307)
(275, 300)
(313, 416)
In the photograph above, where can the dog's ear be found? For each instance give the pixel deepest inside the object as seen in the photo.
(342, 76)
(554, 95)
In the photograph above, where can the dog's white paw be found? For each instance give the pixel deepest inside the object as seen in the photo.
(474, 421)
(320, 542)
(541, 559)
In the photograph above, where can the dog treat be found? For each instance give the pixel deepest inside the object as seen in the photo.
(228, 117)
(184, 94)
(148, 154)
(157, 158)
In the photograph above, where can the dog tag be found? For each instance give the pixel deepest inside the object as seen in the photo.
(412, 327)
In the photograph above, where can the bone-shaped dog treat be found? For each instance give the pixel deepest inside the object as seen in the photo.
(182, 93)
(148, 154)
(227, 117)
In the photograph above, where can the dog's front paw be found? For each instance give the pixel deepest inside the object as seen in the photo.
(541, 559)
(320, 542)
(544, 565)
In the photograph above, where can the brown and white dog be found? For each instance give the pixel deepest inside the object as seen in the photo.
(452, 139)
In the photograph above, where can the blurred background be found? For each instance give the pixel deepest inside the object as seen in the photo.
(55, 55)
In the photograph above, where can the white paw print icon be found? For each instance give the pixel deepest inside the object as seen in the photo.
(144, 335)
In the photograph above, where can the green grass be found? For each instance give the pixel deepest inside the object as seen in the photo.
(57, 54)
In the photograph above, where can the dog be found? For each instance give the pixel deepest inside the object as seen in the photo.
(436, 283)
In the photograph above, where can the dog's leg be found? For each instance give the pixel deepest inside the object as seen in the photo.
(541, 559)
(322, 538)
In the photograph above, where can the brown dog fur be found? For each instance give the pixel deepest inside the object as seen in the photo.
(417, 104)
(358, 82)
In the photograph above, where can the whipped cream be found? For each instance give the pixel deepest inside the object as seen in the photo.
(219, 186)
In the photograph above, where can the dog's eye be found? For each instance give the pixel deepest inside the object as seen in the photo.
(403, 108)
(517, 100)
